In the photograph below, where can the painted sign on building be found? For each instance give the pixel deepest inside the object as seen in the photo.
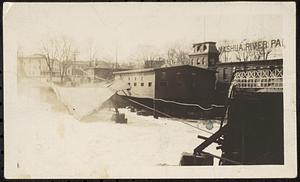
(247, 50)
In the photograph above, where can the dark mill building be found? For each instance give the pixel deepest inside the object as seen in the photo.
(167, 89)
(205, 81)
(183, 83)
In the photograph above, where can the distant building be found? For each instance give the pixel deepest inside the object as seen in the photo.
(182, 83)
(78, 67)
(95, 74)
(204, 55)
(35, 66)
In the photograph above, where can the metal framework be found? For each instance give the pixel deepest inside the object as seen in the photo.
(259, 78)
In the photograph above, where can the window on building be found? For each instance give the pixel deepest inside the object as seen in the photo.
(204, 47)
(224, 74)
(129, 84)
(192, 61)
(134, 84)
(198, 61)
(129, 78)
(134, 78)
(142, 84)
(149, 84)
(142, 78)
(163, 84)
(163, 75)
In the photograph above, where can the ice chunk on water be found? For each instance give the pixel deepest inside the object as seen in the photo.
(82, 101)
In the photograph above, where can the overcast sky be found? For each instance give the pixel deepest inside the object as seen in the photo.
(130, 26)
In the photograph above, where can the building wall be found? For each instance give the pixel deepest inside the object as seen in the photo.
(224, 73)
(204, 55)
(32, 67)
(185, 84)
(199, 61)
(36, 67)
(142, 83)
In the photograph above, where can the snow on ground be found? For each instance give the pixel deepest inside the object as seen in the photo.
(49, 142)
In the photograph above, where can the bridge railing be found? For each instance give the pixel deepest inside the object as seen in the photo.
(259, 78)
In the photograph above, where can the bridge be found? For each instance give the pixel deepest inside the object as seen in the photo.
(263, 78)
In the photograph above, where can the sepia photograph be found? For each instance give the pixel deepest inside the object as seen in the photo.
(149, 90)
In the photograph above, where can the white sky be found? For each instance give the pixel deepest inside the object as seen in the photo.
(129, 26)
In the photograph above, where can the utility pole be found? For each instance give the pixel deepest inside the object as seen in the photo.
(204, 22)
(116, 57)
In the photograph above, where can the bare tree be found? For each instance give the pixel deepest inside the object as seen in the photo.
(61, 51)
(242, 55)
(224, 54)
(50, 53)
(144, 53)
(176, 55)
(65, 56)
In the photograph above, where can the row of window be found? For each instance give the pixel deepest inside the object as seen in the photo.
(135, 78)
(197, 61)
(141, 84)
(163, 76)
(163, 84)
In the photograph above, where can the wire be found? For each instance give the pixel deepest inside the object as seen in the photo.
(167, 115)
(186, 104)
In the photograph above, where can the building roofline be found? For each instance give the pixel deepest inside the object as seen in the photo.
(245, 62)
(135, 71)
(100, 67)
(186, 65)
(207, 42)
(162, 68)
(33, 56)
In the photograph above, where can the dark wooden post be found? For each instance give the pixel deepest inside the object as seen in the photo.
(154, 109)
